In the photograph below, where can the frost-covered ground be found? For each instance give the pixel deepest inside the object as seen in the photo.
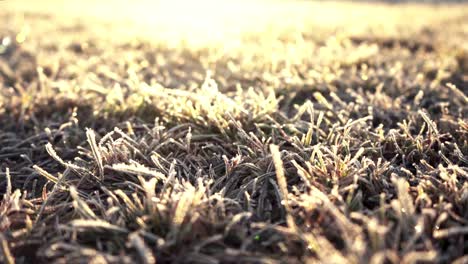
(208, 132)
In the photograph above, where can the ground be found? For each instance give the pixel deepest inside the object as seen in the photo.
(222, 132)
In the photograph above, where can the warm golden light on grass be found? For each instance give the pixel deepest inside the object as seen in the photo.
(233, 132)
(210, 20)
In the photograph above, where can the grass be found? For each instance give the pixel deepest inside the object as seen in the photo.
(317, 135)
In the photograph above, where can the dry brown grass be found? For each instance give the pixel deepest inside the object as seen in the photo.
(326, 133)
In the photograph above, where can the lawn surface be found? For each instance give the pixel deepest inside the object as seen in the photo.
(281, 132)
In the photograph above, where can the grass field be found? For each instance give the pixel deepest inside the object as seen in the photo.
(222, 132)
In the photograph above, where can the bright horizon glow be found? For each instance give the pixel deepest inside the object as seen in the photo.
(211, 20)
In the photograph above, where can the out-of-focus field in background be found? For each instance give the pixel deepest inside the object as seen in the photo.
(206, 20)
